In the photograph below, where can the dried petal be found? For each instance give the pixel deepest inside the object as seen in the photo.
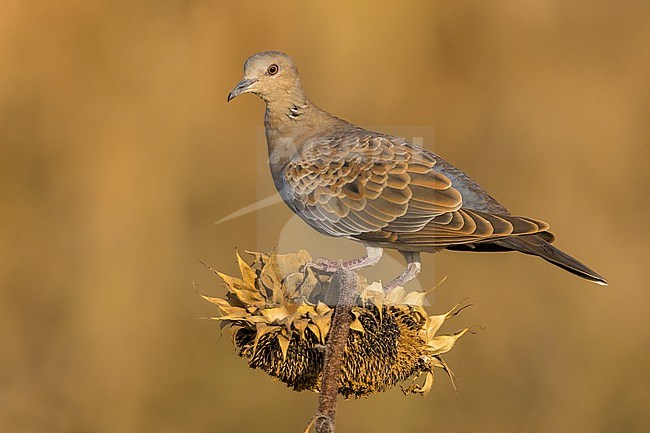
(444, 343)
(248, 274)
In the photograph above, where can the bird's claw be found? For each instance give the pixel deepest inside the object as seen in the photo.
(324, 265)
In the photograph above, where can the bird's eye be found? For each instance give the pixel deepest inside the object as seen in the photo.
(273, 69)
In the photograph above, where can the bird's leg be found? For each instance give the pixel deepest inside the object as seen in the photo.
(413, 268)
(372, 257)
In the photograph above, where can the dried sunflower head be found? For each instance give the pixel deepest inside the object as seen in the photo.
(279, 315)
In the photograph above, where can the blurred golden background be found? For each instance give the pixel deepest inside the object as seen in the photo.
(118, 152)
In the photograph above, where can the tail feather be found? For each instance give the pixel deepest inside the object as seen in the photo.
(537, 246)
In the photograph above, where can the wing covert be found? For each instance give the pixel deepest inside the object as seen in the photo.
(363, 183)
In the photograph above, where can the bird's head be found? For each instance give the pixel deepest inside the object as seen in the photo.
(271, 75)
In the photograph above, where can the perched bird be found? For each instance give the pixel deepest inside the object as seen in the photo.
(380, 190)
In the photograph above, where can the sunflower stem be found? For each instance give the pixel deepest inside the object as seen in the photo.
(345, 282)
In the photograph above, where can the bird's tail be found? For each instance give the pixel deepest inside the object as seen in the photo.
(537, 246)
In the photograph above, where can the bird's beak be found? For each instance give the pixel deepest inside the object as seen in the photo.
(243, 87)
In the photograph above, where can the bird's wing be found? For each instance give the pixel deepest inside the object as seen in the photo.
(460, 227)
(362, 183)
(385, 190)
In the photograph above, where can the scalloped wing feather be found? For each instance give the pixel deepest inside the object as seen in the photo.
(384, 190)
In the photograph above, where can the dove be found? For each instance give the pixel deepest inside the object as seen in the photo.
(383, 191)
